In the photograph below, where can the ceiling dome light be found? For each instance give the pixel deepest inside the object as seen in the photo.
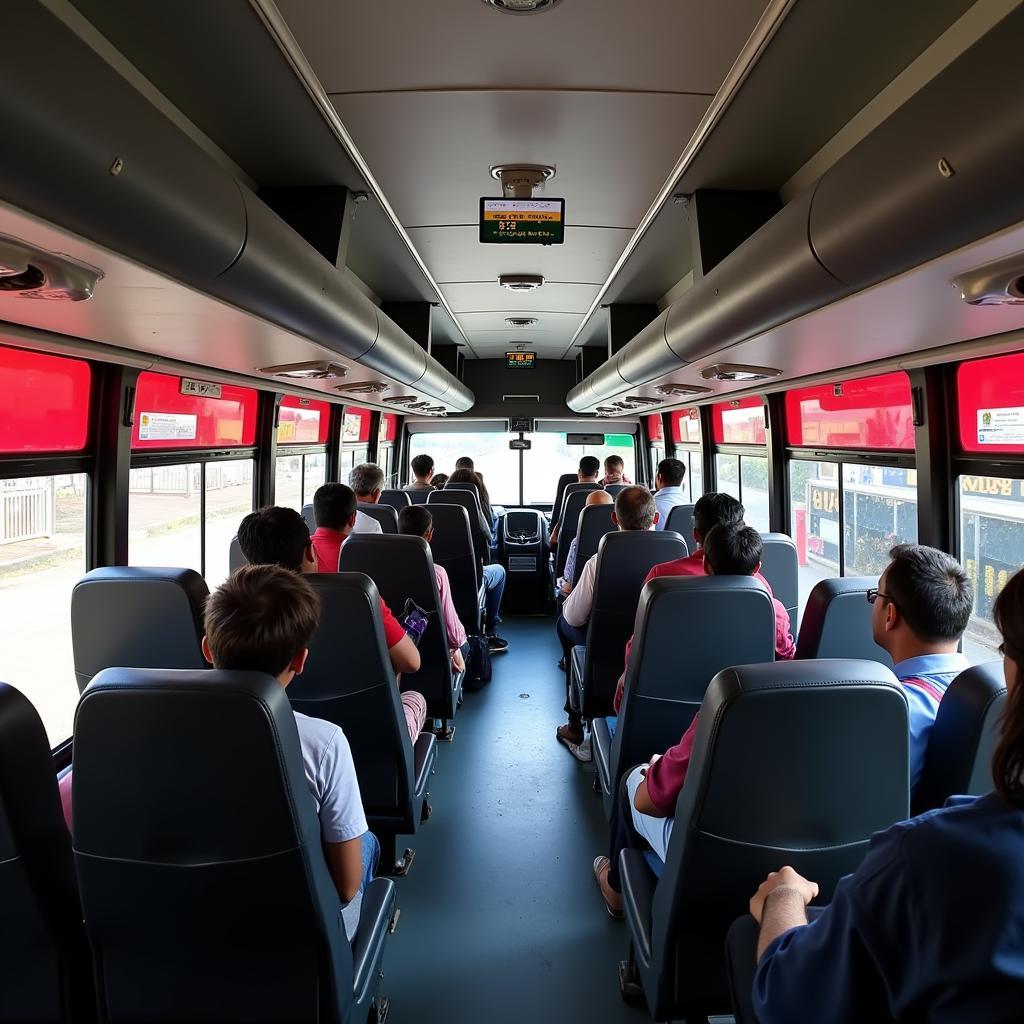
(364, 387)
(677, 390)
(520, 321)
(521, 6)
(521, 282)
(738, 372)
(319, 369)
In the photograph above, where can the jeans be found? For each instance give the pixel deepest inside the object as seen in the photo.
(624, 835)
(494, 581)
(570, 637)
(371, 855)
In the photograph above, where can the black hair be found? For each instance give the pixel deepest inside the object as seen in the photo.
(274, 536)
(1008, 762)
(613, 460)
(415, 520)
(672, 472)
(715, 509)
(590, 466)
(422, 465)
(635, 508)
(930, 590)
(333, 505)
(439, 480)
(733, 549)
(465, 463)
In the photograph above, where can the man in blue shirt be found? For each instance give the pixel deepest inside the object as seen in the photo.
(668, 489)
(920, 611)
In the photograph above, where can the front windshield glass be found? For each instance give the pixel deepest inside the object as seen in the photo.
(550, 457)
(490, 454)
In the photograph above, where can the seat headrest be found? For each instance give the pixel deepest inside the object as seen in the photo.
(837, 621)
(309, 517)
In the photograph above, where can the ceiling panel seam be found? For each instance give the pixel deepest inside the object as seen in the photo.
(475, 89)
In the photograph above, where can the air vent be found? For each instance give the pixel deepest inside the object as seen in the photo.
(678, 390)
(520, 321)
(520, 398)
(522, 6)
(31, 273)
(738, 372)
(364, 387)
(998, 284)
(317, 370)
(401, 400)
(521, 282)
(436, 410)
(640, 400)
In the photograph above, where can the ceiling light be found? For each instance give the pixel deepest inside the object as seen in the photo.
(520, 321)
(521, 6)
(996, 284)
(677, 390)
(521, 282)
(30, 273)
(738, 372)
(364, 387)
(316, 370)
(639, 400)
(401, 400)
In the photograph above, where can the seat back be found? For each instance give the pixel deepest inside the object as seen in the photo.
(574, 503)
(777, 776)
(470, 502)
(594, 522)
(418, 497)
(563, 481)
(403, 568)
(613, 489)
(137, 617)
(309, 517)
(235, 557)
(680, 520)
(685, 633)
(780, 568)
(452, 548)
(198, 850)
(386, 515)
(623, 561)
(397, 499)
(958, 759)
(837, 621)
(45, 968)
(463, 486)
(348, 680)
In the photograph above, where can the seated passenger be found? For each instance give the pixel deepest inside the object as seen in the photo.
(646, 802)
(367, 480)
(931, 925)
(668, 491)
(261, 620)
(416, 521)
(587, 472)
(634, 510)
(465, 463)
(485, 522)
(279, 536)
(614, 472)
(439, 480)
(564, 584)
(423, 472)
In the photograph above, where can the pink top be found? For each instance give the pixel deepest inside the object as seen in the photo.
(452, 623)
(666, 776)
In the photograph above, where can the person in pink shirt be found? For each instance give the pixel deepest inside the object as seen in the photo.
(416, 521)
(614, 472)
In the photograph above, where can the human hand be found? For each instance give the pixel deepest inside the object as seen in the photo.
(458, 662)
(620, 687)
(784, 878)
(650, 764)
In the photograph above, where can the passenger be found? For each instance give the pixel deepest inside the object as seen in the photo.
(279, 536)
(614, 472)
(367, 480)
(486, 520)
(669, 491)
(646, 801)
(416, 521)
(634, 511)
(262, 620)
(564, 584)
(587, 472)
(423, 472)
(465, 463)
(931, 925)
(439, 480)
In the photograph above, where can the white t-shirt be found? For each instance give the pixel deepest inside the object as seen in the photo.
(366, 524)
(331, 775)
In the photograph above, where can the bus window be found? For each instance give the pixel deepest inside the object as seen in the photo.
(490, 453)
(743, 474)
(685, 425)
(694, 473)
(745, 477)
(303, 423)
(550, 457)
(386, 448)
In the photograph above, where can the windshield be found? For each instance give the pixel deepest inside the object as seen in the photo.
(490, 454)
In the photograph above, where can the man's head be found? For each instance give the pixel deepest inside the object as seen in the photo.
(367, 480)
(589, 468)
(924, 601)
(635, 509)
(423, 468)
(614, 467)
(670, 473)
(416, 521)
(599, 498)
(465, 463)
(732, 549)
(714, 509)
(334, 507)
(277, 536)
(261, 620)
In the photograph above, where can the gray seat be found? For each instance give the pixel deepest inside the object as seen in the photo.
(307, 514)
(45, 965)
(614, 489)
(563, 481)
(403, 568)
(386, 515)
(685, 634)
(777, 776)
(197, 844)
(958, 759)
(837, 621)
(395, 498)
(452, 549)
(138, 618)
(623, 562)
(680, 520)
(594, 522)
(575, 501)
(235, 557)
(463, 486)
(353, 685)
(418, 497)
(780, 568)
(469, 501)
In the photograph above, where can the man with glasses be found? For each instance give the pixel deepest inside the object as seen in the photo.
(919, 612)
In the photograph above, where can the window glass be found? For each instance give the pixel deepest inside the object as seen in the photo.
(550, 457)
(388, 427)
(350, 458)
(814, 523)
(44, 402)
(727, 474)
(879, 511)
(991, 550)
(303, 421)
(288, 482)
(356, 425)
(314, 475)
(490, 454)
(656, 429)
(686, 426)
(164, 516)
(165, 418)
(872, 412)
(384, 461)
(657, 454)
(739, 422)
(990, 393)
(229, 498)
(42, 557)
(754, 491)
(695, 475)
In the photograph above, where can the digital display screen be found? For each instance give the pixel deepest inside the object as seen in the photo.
(522, 221)
(520, 360)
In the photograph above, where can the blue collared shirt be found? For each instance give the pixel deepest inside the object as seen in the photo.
(666, 499)
(929, 927)
(924, 680)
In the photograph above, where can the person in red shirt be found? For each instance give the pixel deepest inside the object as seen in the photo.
(647, 797)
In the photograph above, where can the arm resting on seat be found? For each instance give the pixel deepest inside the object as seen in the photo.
(638, 886)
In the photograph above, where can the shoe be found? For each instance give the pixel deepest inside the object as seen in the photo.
(570, 735)
(561, 663)
(496, 644)
(581, 751)
(613, 902)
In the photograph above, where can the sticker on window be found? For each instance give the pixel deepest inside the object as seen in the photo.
(167, 426)
(1001, 426)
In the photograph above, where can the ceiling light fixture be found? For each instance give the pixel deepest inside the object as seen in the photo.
(520, 321)
(521, 282)
(401, 400)
(738, 372)
(364, 387)
(319, 369)
(678, 390)
(640, 400)
(522, 6)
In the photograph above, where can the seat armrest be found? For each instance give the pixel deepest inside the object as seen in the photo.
(601, 745)
(371, 935)
(638, 887)
(577, 666)
(424, 752)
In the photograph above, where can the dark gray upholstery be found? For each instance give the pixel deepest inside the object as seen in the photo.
(198, 849)
(837, 621)
(467, 500)
(575, 501)
(452, 548)
(779, 567)
(778, 776)
(137, 617)
(680, 520)
(45, 967)
(419, 497)
(403, 568)
(958, 759)
(463, 486)
(614, 489)
(623, 562)
(383, 514)
(310, 518)
(235, 557)
(348, 680)
(563, 481)
(594, 522)
(397, 499)
(686, 632)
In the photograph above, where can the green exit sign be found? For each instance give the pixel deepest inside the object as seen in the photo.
(522, 221)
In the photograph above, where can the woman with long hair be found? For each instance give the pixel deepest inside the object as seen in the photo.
(1008, 761)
